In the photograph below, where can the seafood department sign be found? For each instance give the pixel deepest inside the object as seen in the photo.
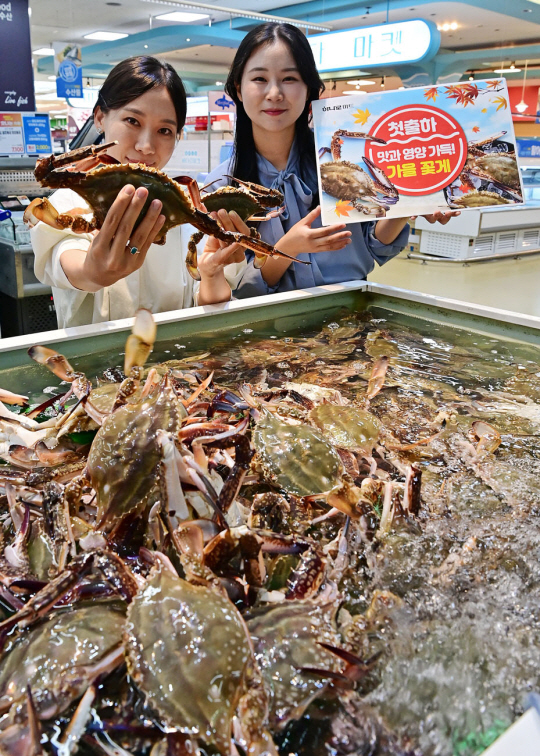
(416, 151)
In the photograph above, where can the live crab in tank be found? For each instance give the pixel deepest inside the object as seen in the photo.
(371, 193)
(323, 562)
(98, 177)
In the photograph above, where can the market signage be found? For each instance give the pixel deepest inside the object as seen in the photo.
(416, 151)
(16, 75)
(387, 44)
(68, 70)
(25, 134)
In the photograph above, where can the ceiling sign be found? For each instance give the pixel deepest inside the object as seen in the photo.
(387, 44)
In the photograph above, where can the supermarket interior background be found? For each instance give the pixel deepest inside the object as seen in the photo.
(468, 42)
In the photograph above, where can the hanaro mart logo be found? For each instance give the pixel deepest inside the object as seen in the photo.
(425, 148)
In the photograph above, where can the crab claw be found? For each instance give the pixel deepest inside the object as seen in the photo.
(45, 166)
(9, 398)
(141, 340)
(382, 184)
(56, 362)
(43, 210)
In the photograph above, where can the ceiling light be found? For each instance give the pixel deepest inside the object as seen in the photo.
(182, 17)
(401, 87)
(512, 66)
(44, 51)
(522, 106)
(219, 83)
(453, 26)
(382, 83)
(188, 39)
(237, 13)
(471, 78)
(106, 36)
(353, 91)
(362, 82)
(146, 47)
(506, 70)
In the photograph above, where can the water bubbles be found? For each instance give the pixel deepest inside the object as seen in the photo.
(247, 330)
(180, 346)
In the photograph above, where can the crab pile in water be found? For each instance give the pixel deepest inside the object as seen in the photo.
(182, 559)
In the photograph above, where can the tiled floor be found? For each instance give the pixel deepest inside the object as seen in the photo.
(507, 284)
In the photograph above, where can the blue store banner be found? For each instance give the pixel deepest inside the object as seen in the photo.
(68, 70)
(16, 75)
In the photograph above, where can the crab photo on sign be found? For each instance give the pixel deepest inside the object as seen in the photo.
(416, 151)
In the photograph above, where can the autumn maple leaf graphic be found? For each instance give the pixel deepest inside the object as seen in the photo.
(431, 93)
(476, 129)
(343, 208)
(500, 102)
(463, 94)
(361, 116)
(493, 84)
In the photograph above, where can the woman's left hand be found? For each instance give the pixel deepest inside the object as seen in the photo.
(216, 253)
(440, 216)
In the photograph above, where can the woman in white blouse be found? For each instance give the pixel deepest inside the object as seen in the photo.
(111, 273)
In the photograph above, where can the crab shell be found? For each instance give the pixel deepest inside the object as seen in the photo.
(286, 639)
(241, 201)
(477, 198)
(188, 651)
(55, 657)
(100, 186)
(297, 458)
(501, 168)
(346, 181)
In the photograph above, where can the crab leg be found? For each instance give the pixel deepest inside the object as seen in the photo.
(337, 142)
(208, 225)
(377, 378)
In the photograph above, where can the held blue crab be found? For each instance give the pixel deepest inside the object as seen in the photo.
(369, 194)
(98, 178)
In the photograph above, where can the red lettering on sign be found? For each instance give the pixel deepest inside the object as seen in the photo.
(426, 148)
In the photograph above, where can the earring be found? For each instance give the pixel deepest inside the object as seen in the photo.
(99, 130)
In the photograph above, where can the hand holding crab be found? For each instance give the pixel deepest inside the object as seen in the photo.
(116, 250)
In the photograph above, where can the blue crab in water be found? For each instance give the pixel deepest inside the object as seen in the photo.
(347, 181)
(98, 178)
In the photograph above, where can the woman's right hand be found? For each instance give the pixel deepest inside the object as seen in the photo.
(109, 258)
(302, 238)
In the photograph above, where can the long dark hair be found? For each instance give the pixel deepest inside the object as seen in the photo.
(132, 77)
(244, 164)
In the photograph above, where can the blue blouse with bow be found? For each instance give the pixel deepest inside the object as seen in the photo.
(355, 261)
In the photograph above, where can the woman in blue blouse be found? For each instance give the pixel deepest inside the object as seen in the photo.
(273, 80)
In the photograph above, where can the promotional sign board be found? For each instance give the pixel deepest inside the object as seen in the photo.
(16, 75)
(387, 44)
(25, 134)
(415, 151)
(219, 102)
(68, 70)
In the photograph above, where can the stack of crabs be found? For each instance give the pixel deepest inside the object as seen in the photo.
(151, 603)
